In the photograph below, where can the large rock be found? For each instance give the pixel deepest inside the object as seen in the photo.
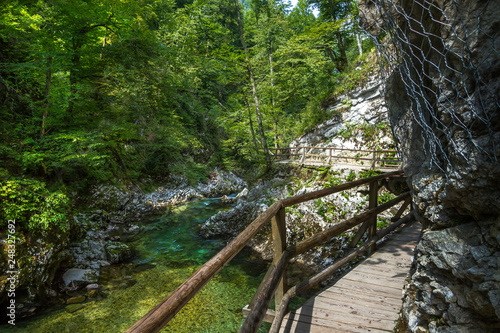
(117, 252)
(77, 277)
(443, 101)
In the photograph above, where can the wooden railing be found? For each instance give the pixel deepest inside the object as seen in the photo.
(378, 158)
(274, 283)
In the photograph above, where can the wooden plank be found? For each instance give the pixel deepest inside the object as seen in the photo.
(379, 262)
(369, 279)
(373, 290)
(352, 306)
(315, 316)
(344, 292)
(384, 271)
(290, 325)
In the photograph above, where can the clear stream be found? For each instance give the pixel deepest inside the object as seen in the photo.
(165, 255)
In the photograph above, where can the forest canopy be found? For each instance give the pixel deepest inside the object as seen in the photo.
(112, 90)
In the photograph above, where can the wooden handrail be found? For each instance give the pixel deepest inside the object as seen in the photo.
(329, 271)
(336, 148)
(327, 191)
(268, 286)
(162, 313)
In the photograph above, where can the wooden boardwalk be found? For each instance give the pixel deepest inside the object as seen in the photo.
(367, 299)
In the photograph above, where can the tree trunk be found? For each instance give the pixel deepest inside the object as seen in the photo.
(48, 79)
(343, 55)
(254, 88)
(275, 116)
(360, 47)
(251, 125)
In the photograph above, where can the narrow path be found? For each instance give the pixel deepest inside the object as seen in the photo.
(367, 299)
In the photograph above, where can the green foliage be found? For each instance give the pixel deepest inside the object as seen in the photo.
(108, 90)
(387, 196)
(333, 179)
(368, 173)
(33, 206)
(382, 223)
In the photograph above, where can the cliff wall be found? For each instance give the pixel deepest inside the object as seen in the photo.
(442, 92)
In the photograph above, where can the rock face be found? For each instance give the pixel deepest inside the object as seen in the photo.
(352, 112)
(358, 121)
(443, 101)
(37, 261)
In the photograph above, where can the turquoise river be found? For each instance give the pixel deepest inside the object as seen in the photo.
(165, 254)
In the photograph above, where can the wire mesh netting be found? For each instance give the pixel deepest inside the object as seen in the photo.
(447, 55)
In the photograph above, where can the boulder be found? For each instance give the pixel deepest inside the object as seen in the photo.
(117, 252)
(79, 277)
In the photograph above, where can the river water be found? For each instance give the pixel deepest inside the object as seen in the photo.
(166, 254)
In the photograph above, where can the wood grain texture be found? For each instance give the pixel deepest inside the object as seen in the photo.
(367, 299)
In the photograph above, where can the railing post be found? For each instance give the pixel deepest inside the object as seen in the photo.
(373, 198)
(278, 225)
(303, 155)
(330, 157)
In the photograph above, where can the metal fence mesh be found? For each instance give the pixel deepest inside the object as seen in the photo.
(443, 51)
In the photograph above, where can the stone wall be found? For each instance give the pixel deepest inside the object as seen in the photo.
(442, 96)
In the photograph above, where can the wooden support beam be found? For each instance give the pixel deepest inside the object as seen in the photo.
(361, 231)
(374, 159)
(373, 200)
(278, 225)
(268, 288)
(268, 317)
(401, 210)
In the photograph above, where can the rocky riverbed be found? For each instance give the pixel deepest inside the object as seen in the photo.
(59, 263)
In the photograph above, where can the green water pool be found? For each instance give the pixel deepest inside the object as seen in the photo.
(165, 255)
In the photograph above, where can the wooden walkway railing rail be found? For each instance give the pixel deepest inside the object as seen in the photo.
(274, 283)
(383, 158)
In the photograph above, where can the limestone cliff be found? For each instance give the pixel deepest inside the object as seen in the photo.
(442, 96)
